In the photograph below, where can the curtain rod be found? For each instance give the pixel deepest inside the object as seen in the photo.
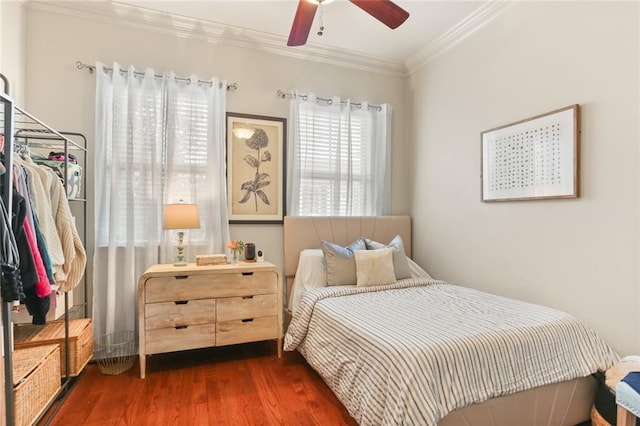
(291, 95)
(232, 87)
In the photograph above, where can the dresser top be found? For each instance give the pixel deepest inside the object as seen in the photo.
(193, 269)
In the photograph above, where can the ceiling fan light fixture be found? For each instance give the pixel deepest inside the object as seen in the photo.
(320, 2)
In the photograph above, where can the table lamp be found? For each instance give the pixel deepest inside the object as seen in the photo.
(181, 216)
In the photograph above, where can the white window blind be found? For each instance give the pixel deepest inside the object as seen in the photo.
(335, 162)
(142, 169)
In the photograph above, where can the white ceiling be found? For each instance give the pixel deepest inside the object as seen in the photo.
(347, 27)
(351, 36)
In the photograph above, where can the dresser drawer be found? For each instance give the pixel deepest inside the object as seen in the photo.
(179, 313)
(238, 308)
(207, 286)
(179, 339)
(242, 331)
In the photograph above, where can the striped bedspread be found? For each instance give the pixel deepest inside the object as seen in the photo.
(411, 352)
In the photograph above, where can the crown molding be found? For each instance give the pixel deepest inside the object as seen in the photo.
(478, 19)
(184, 27)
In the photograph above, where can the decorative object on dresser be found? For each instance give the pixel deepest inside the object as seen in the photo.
(211, 259)
(192, 307)
(181, 216)
(250, 252)
(236, 247)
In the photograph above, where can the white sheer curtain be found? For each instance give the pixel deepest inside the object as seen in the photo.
(338, 158)
(158, 141)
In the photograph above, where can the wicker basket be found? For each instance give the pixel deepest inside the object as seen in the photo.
(36, 381)
(80, 341)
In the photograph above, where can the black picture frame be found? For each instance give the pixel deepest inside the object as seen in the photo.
(256, 168)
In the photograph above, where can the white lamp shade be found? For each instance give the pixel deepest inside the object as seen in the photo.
(181, 216)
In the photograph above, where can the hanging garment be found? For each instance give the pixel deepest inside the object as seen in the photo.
(39, 187)
(11, 284)
(75, 256)
(42, 285)
(38, 307)
(27, 266)
(44, 252)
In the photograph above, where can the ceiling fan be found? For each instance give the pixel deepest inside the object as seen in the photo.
(384, 11)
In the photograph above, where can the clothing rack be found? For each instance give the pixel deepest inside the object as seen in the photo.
(7, 333)
(292, 95)
(25, 130)
(6, 83)
(46, 139)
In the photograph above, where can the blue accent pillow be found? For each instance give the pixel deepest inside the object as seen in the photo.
(340, 261)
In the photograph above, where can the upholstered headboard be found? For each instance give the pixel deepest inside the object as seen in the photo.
(307, 232)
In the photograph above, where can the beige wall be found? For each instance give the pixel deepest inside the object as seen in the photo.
(578, 255)
(63, 96)
(12, 43)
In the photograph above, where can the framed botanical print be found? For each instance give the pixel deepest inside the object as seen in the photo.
(256, 168)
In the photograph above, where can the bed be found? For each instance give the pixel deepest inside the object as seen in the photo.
(422, 351)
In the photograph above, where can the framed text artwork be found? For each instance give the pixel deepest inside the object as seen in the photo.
(255, 168)
(535, 158)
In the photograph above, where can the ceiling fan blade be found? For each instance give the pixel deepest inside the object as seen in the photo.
(384, 11)
(302, 23)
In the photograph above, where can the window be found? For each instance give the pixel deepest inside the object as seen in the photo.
(336, 162)
(162, 147)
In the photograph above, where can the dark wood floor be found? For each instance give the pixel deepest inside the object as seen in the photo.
(235, 385)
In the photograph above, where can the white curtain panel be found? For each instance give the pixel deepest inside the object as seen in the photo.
(158, 141)
(338, 157)
(195, 158)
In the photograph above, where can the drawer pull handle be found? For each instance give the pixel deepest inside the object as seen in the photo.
(181, 302)
(181, 277)
(181, 327)
(247, 297)
(247, 273)
(247, 320)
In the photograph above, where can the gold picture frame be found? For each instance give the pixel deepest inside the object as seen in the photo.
(255, 168)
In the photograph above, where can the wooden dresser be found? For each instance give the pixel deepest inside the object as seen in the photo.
(189, 307)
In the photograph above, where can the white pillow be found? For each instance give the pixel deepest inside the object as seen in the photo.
(311, 273)
(374, 267)
(400, 265)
